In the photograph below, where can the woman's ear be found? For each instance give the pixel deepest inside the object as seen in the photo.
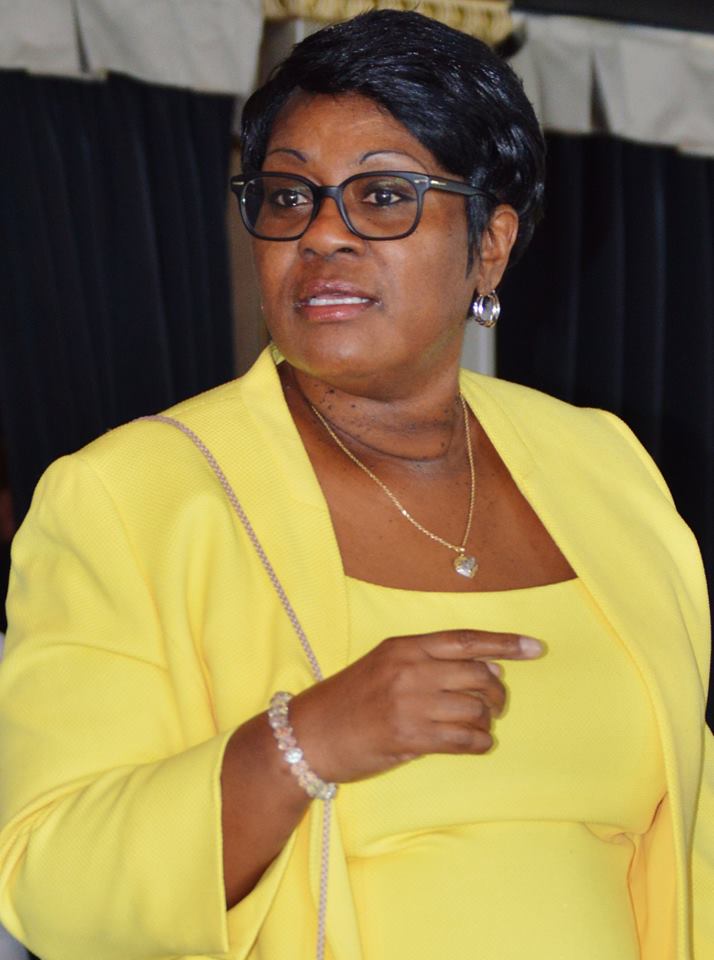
(496, 243)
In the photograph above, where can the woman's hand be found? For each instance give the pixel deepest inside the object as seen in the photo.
(410, 696)
(434, 693)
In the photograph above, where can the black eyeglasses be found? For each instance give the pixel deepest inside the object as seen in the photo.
(379, 205)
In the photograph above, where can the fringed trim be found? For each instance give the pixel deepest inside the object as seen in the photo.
(489, 20)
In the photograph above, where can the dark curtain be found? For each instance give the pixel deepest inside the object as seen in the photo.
(114, 282)
(613, 305)
(682, 15)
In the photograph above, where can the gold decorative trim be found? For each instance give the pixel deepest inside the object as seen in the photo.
(489, 20)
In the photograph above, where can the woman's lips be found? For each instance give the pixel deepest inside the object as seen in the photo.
(334, 306)
(330, 301)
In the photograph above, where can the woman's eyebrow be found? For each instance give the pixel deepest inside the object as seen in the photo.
(290, 150)
(387, 151)
(396, 153)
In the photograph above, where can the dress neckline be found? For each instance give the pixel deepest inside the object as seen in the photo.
(367, 585)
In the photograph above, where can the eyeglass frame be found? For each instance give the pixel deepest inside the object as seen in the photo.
(422, 182)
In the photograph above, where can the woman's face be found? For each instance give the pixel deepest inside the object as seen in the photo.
(414, 293)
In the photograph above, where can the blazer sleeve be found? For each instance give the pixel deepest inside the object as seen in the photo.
(110, 823)
(703, 859)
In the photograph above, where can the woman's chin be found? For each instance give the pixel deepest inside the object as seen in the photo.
(336, 348)
(348, 368)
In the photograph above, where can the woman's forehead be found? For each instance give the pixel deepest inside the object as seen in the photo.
(348, 127)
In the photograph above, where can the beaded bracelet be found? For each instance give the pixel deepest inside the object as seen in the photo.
(292, 754)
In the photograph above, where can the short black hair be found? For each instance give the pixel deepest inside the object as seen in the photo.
(451, 91)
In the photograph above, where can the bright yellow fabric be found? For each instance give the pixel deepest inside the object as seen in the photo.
(526, 851)
(143, 630)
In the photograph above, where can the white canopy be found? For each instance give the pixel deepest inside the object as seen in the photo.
(208, 45)
(641, 83)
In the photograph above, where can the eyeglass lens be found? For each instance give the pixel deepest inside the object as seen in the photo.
(377, 206)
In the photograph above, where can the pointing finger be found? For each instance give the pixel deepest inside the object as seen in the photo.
(479, 644)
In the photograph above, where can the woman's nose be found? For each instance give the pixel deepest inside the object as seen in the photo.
(328, 233)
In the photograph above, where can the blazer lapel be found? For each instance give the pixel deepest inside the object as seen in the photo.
(252, 436)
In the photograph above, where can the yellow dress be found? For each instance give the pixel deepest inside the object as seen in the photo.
(524, 852)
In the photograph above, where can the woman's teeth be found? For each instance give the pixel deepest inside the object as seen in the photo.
(334, 301)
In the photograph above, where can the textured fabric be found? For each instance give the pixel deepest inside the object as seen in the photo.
(526, 851)
(143, 630)
(489, 20)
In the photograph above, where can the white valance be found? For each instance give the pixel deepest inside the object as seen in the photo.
(207, 45)
(641, 83)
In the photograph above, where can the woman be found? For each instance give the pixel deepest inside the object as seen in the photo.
(509, 615)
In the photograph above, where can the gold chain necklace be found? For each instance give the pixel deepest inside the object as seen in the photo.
(464, 564)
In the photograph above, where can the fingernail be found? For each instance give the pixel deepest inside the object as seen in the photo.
(530, 647)
(495, 668)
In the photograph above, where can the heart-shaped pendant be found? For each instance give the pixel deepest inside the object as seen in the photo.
(465, 566)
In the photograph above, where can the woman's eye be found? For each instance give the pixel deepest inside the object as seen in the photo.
(288, 198)
(383, 196)
(384, 192)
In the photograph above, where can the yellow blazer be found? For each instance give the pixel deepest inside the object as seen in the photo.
(143, 630)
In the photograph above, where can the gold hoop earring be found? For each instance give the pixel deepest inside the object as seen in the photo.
(485, 309)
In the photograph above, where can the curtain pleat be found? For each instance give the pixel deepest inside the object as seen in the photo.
(613, 304)
(688, 408)
(601, 295)
(114, 285)
(645, 262)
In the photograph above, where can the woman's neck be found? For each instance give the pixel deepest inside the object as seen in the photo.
(422, 426)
